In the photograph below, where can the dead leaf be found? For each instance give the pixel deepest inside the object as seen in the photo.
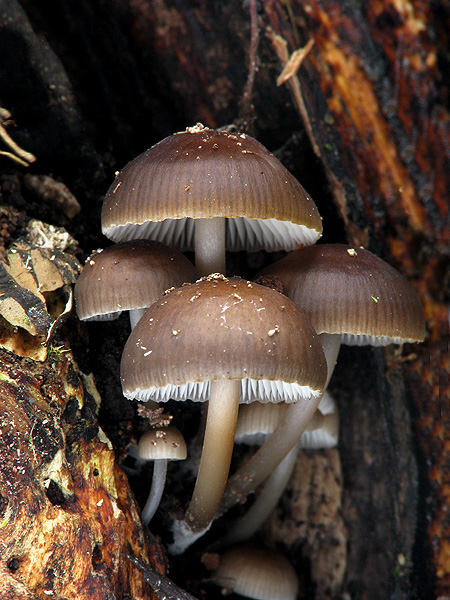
(35, 296)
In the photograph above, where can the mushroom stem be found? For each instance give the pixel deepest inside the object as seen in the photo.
(282, 440)
(244, 527)
(216, 454)
(209, 246)
(156, 491)
(135, 316)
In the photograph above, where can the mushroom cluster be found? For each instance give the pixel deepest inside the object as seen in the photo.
(204, 335)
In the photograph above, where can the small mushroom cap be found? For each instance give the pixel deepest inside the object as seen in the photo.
(346, 290)
(223, 328)
(323, 430)
(129, 276)
(164, 443)
(257, 421)
(255, 572)
(204, 173)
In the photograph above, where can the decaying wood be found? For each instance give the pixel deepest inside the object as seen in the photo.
(67, 512)
(312, 520)
(377, 65)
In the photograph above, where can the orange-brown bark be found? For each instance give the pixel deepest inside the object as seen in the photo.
(67, 512)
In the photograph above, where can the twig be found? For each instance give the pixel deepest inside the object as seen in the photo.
(246, 105)
(163, 587)
(14, 157)
(18, 154)
(288, 75)
(294, 62)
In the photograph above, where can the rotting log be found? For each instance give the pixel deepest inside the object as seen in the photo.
(378, 66)
(67, 512)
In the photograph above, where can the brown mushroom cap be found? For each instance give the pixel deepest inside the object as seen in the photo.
(222, 328)
(256, 572)
(202, 173)
(166, 443)
(129, 276)
(346, 290)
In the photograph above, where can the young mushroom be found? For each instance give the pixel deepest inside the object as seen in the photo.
(226, 341)
(128, 276)
(351, 296)
(159, 445)
(207, 191)
(256, 572)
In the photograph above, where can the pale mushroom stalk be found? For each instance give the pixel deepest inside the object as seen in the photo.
(250, 522)
(244, 527)
(283, 439)
(209, 246)
(217, 450)
(158, 445)
(135, 316)
(156, 491)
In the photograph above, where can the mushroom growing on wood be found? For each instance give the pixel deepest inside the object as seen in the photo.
(159, 445)
(226, 341)
(128, 276)
(350, 295)
(255, 572)
(207, 191)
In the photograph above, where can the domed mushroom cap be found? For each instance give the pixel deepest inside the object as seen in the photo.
(257, 573)
(129, 276)
(222, 328)
(204, 173)
(346, 290)
(166, 443)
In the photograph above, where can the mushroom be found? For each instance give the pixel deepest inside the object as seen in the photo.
(128, 276)
(159, 446)
(205, 190)
(256, 572)
(355, 294)
(350, 295)
(226, 340)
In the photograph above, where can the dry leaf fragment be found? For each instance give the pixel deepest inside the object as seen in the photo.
(293, 64)
(21, 307)
(35, 296)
